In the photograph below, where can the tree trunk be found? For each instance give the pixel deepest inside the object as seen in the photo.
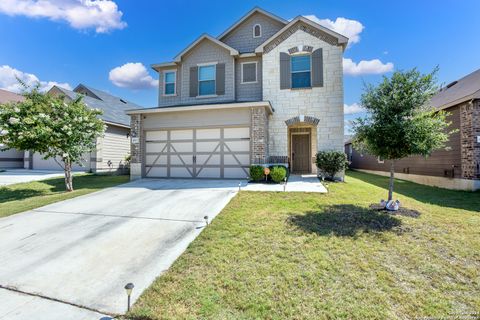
(390, 186)
(68, 175)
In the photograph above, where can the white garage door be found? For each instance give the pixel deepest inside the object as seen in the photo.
(198, 153)
(50, 164)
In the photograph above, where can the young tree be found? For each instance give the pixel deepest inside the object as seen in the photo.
(400, 121)
(52, 126)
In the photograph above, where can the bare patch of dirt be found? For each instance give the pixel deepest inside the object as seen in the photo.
(400, 212)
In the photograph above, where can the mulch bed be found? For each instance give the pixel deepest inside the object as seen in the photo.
(400, 212)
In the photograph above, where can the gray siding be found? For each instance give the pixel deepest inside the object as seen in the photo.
(114, 147)
(248, 91)
(11, 159)
(204, 52)
(242, 37)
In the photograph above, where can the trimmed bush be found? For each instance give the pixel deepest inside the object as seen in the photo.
(278, 173)
(282, 166)
(329, 163)
(256, 173)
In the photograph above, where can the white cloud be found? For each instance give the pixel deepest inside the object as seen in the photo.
(374, 66)
(103, 15)
(132, 75)
(9, 75)
(349, 28)
(353, 108)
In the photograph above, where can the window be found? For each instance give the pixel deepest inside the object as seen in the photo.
(380, 160)
(170, 79)
(206, 80)
(301, 72)
(257, 31)
(249, 72)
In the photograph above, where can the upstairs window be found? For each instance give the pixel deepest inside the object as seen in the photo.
(170, 80)
(249, 72)
(206, 80)
(301, 71)
(257, 31)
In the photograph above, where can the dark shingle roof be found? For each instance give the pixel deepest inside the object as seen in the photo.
(466, 88)
(113, 107)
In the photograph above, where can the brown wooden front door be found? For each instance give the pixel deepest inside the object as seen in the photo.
(300, 153)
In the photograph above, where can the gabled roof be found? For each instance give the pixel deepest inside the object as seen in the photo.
(113, 107)
(204, 36)
(342, 40)
(467, 88)
(248, 15)
(8, 96)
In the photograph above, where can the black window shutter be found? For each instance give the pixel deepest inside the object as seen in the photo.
(285, 81)
(317, 68)
(220, 79)
(193, 81)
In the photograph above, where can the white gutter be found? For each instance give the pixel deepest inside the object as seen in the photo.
(265, 104)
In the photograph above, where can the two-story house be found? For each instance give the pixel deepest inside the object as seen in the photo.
(266, 90)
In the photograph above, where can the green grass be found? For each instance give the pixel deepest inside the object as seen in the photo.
(30, 195)
(313, 256)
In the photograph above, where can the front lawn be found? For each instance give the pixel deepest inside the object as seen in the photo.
(30, 195)
(314, 256)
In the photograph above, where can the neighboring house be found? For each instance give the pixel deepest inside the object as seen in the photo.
(112, 148)
(11, 158)
(455, 168)
(266, 90)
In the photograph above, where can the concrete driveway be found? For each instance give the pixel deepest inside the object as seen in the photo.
(84, 250)
(12, 176)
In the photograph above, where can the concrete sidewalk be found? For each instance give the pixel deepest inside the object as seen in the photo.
(296, 183)
(13, 176)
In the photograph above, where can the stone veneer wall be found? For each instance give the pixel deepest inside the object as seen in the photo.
(136, 148)
(259, 135)
(469, 130)
(324, 103)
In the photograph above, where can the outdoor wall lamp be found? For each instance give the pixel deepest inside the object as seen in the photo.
(128, 288)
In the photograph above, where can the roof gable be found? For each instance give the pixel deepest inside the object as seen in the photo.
(248, 15)
(8, 96)
(307, 25)
(178, 57)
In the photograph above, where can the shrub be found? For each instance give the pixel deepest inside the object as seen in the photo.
(282, 166)
(256, 173)
(330, 163)
(278, 173)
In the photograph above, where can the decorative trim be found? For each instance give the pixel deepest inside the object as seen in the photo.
(304, 27)
(302, 119)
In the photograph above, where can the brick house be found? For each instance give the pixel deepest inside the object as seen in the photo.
(266, 90)
(455, 168)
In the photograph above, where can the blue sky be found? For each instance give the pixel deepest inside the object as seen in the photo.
(82, 41)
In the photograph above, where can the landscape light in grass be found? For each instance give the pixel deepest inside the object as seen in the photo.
(284, 183)
(206, 220)
(128, 288)
(239, 186)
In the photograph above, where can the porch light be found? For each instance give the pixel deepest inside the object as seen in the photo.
(128, 288)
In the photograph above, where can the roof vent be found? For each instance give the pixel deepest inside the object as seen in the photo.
(451, 84)
(121, 100)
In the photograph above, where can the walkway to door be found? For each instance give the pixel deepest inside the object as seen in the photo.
(296, 183)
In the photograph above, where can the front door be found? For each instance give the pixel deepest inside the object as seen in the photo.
(300, 153)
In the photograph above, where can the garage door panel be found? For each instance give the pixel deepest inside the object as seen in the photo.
(244, 159)
(181, 172)
(155, 147)
(156, 135)
(235, 173)
(155, 159)
(208, 134)
(156, 172)
(181, 135)
(236, 133)
(210, 146)
(204, 159)
(237, 146)
(209, 173)
(181, 147)
(180, 159)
